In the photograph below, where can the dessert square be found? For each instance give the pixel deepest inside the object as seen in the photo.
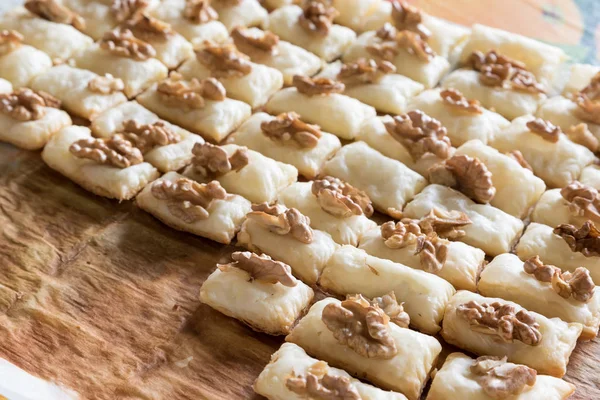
(234, 13)
(574, 204)
(20, 63)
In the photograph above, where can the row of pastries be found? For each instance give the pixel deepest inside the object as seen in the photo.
(284, 131)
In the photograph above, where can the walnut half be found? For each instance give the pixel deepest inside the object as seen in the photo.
(9, 41)
(149, 28)
(213, 161)
(148, 136)
(364, 71)
(53, 10)
(115, 151)
(445, 224)
(223, 60)
(258, 44)
(289, 128)
(458, 102)
(390, 41)
(282, 221)
(262, 268)
(585, 240)
(341, 199)
(124, 10)
(317, 17)
(584, 201)
(588, 101)
(390, 306)
(409, 18)
(545, 129)
(26, 104)
(317, 86)
(582, 135)
(500, 379)
(400, 234)
(318, 384)
(199, 11)
(361, 326)
(122, 43)
(189, 95)
(106, 84)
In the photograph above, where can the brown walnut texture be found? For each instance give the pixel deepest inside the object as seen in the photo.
(588, 101)
(124, 10)
(148, 136)
(582, 135)
(408, 18)
(189, 95)
(445, 224)
(584, 201)
(288, 128)
(317, 86)
(458, 102)
(262, 268)
(255, 43)
(578, 284)
(500, 379)
(52, 10)
(9, 41)
(390, 306)
(27, 105)
(106, 84)
(223, 60)
(389, 41)
(318, 384)
(282, 221)
(122, 43)
(585, 240)
(149, 28)
(317, 17)
(545, 129)
(199, 11)
(115, 151)
(213, 161)
(341, 199)
(364, 71)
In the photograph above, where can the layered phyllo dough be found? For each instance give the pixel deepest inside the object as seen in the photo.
(489, 378)
(294, 375)
(241, 171)
(385, 354)
(81, 92)
(574, 204)
(258, 291)
(463, 118)
(285, 234)
(28, 119)
(311, 28)
(20, 63)
(479, 225)
(496, 327)
(240, 13)
(424, 295)
(244, 80)
(388, 183)
(551, 155)
(204, 209)
(288, 139)
(202, 106)
(112, 168)
(318, 101)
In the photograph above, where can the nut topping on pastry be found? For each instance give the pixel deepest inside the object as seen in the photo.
(9, 41)
(115, 151)
(148, 28)
(501, 320)
(53, 11)
(213, 161)
(581, 134)
(317, 86)
(500, 379)
(199, 11)
(255, 42)
(175, 92)
(578, 284)
(392, 308)
(317, 384)
(545, 129)
(456, 100)
(445, 224)
(408, 18)
(361, 326)
(124, 10)
(584, 201)
(585, 240)
(391, 41)
(106, 84)
(188, 200)
(588, 101)
(26, 105)
(122, 43)
(317, 17)
(518, 157)
(283, 221)
(148, 136)
(465, 174)
(341, 199)
(223, 60)
(364, 71)
(289, 128)
(262, 268)
(420, 134)
(433, 252)
(401, 234)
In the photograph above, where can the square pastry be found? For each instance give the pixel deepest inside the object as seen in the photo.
(234, 13)
(241, 171)
(311, 28)
(258, 291)
(291, 372)
(288, 139)
(205, 210)
(574, 204)
(111, 167)
(198, 105)
(20, 63)
(244, 80)
(28, 119)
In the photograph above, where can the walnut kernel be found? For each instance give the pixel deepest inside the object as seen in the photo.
(317, 86)
(223, 60)
(289, 128)
(213, 161)
(149, 28)
(409, 18)
(460, 103)
(500, 379)
(106, 84)
(257, 44)
(53, 10)
(9, 41)
(190, 95)
(124, 10)
(341, 199)
(199, 11)
(148, 136)
(585, 240)
(584, 201)
(545, 129)
(283, 221)
(313, 385)
(317, 17)
(390, 306)
(114, 151)
(445, 224)
(262, 268)
(122, 43)
(26, 104)
(581, 134)
(364, 71)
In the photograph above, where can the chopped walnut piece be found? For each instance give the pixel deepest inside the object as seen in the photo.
(409, 18)
(420, 134)
(262, 268)
(317, 86)
(317, 17)
(124, 10)
(390, 41)
(588, 101)
(223, 60)
(115, 151)
(361, 326)
(341, 199)
(500, 379)
(148, 136)
(213, 161)
(289, 128)
(401, 234)
(149, 28)
(190, 95)
(433, 252)
(26, 105)
(53, 10)
(199, 11)
(477, 60)
(415, 45)
(322, 386)
(389, 304)
(584, 201)
(465, 174)
(446, 224)
(364, 71)
(518, 157)
(122, 43)
(545, 129)
(188, 200)
(540, 271)
(106, 84)
(255, 43)
(502, 320)
(581, 134)
(458, 102)
(585, 240)
(283, 221)
(9, 41)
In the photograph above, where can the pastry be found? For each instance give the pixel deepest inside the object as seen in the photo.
(5, 86)
(234, 13)
(258, 291)
(580, 76)
(574, 204)
(20, 63)
(590, 176)
(205, 210)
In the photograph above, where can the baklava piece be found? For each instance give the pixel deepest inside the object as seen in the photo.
(198, 105)
(318, 101)
(496, 327)
(20, 63)
(311, 28)
(259, 291)
(489, 378)
(28, 119)
(286, 235)
(241, 171)
(204, 209)
(233, 13)
(574, 204)
(288, 139)
(425, 296)
(111, 167)
(357, 335)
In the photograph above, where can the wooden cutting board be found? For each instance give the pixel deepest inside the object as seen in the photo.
(101, 297)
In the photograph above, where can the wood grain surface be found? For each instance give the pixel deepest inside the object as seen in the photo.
(102, 298)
